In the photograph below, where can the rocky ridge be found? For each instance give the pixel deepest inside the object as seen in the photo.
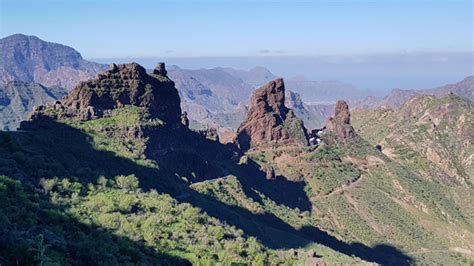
(121, 85)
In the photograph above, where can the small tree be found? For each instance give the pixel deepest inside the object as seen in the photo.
(127, 182)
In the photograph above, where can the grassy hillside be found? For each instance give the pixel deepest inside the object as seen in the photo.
(150, 194)
(68, 184)
(430, 136)
(359, 195)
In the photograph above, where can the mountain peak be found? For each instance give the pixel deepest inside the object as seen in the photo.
(268, 119)
(339, 124)
(30, 59)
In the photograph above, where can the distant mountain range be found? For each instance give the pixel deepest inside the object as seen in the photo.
(214, 97)
(325, 91)
(30, 59)
(398, 97)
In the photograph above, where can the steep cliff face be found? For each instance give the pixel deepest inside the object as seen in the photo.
(269, 120)
(120, 86)
(340, 124)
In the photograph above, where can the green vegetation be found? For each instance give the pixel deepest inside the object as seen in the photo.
(324, 153)
(97, 188)
(326, 178)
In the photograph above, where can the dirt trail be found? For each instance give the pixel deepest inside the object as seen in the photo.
(342, 188)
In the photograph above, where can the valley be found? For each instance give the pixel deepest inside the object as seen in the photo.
(174, 166)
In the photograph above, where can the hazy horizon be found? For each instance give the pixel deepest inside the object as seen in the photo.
(377, 73)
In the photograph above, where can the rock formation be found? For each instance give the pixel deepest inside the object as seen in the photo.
(126, 84)
(269, 120)
(340, 124)
(185, 119)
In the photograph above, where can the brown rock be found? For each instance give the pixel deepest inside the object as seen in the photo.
(341, 113)
(268, 119)
(125, 84)
(339, 125)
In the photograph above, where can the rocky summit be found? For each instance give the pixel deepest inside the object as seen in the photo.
(121, 85)
(269, 120)
(340, 124)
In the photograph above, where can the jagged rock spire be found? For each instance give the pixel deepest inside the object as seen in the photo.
(268, 119)
(339, 124)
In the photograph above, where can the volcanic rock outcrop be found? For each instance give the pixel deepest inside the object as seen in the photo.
(269, 120)
(121, 85)
(340, 124)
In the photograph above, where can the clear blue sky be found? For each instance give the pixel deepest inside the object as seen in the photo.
(112, 28)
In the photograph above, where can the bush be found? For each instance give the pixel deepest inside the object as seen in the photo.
(127, 182)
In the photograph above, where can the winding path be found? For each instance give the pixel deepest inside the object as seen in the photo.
(342, 188)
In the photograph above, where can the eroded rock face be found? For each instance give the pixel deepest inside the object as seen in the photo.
(339, 125)
(126, 84)
(268, 119)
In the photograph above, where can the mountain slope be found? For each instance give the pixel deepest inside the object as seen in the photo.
(324, 91)
(398, 97)
(358, 194)
(114, 156)
(429, 135)
(17, 99)
(30, 59)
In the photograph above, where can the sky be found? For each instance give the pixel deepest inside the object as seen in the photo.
(357, 30)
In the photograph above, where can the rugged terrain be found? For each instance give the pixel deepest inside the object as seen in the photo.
(30, 59)
(114, 165)
(217, 97)
(432, 136)
(18, 98)
(269, 120)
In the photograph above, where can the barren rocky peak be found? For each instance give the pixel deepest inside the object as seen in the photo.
(339, 124)
(268, 119)
(270, 97)
(124, 84)
(341, 113)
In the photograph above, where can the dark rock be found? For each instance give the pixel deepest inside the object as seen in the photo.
(378, 147)
(184, 119)
(209, 133)
(269, 120)
(160, 69)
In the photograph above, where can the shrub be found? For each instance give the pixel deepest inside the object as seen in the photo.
(127, 182)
